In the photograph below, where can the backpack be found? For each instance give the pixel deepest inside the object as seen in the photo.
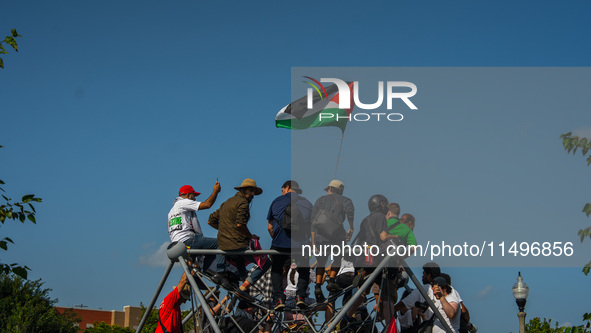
(294, 223)
(329, 224)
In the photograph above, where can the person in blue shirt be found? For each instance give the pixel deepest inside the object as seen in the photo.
(284, 241)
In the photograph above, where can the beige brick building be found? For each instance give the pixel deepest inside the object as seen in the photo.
(129, 317)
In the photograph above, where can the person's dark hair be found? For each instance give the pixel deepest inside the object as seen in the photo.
(446, 277)
(394, 208)
(407, 218)
(432, 269)
(243, 305)
(442, 283)
(285, 270)
(447, 288)
(293, 185)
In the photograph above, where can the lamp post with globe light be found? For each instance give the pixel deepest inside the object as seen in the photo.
(520, 292)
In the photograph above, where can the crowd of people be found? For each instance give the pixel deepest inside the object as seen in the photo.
(284, 279)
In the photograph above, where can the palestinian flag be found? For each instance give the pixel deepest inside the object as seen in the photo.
(325, 110)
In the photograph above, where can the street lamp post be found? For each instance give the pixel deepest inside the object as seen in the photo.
(520, 292)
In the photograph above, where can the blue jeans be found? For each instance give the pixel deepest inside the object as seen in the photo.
(241, 266)
(201, 242)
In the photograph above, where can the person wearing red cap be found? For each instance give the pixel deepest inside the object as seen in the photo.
(183, 225)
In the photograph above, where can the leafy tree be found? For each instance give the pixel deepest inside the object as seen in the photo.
(574, 143)
(16, 211)
(10, 40)
(536, 325)
(152, 321)
(102, 327)
(26, 307)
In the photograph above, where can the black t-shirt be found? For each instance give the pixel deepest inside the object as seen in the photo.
(371, 228)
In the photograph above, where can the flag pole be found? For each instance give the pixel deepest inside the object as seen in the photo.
(349, 111)
(339, 156)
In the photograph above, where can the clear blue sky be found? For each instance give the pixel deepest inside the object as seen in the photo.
(109, 107)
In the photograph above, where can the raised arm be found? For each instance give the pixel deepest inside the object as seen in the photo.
(216, 309)
(182, 283)
(450, 308)
(211, 200)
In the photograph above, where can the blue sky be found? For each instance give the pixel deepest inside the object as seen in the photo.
(108, 108)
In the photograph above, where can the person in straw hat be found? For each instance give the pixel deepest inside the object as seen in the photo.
(231, 221)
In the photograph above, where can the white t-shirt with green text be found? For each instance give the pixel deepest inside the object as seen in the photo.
(182, 220)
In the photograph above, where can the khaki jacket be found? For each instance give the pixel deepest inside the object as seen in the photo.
(231, 213)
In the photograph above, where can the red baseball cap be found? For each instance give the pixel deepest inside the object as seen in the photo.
(188, 189)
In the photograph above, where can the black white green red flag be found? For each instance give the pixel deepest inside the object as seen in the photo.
(324, 112)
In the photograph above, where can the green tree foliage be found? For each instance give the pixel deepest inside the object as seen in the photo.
(536, 325)
(9, 40)
(574, 143)
(16, 211)
(102, 327)
(26, 307)
(152, 321)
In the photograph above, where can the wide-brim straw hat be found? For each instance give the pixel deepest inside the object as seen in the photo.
(250, 183)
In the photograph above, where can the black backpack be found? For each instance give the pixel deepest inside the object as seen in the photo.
(293, 222)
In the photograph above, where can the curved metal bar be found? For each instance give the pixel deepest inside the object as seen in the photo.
(241, 253)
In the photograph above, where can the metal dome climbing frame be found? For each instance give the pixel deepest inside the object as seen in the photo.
(178, 252)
